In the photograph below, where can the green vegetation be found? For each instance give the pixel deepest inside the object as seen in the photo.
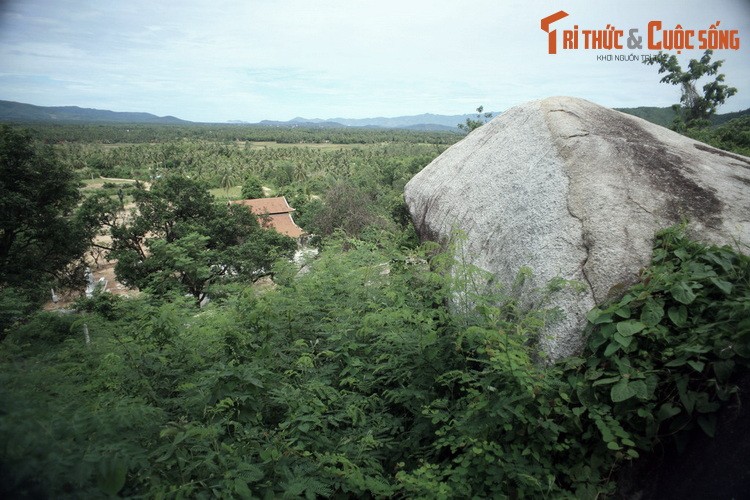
(475, 123)
(696, 109)
(660, 116)
(177, 240)
(143, 133)
(696, 115)
(36, 195)
(387, 369)
(665, 353)
(356, 380)
(732, 136)
(40, 238)
(252, 188)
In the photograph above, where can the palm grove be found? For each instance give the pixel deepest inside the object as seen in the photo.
(354, 379)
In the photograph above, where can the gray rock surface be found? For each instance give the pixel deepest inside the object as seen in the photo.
(573, 189)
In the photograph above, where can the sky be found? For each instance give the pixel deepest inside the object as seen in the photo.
(221, 60)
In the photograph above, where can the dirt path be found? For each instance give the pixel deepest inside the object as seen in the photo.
(101, 267)
(116, 179)
(105, 270)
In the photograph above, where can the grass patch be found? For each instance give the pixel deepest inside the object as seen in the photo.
(234, 193)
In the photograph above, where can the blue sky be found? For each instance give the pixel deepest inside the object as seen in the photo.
(264, 59)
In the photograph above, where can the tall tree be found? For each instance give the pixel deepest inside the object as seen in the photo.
(252, 188)
(178, 239)
(39, 236)
(696, 108)
(41, 240)
(346, 207)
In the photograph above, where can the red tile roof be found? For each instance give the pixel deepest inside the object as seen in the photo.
(260, 206)
(277, 212)
(284, 224)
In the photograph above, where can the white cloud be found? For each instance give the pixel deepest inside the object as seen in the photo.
(278, 59)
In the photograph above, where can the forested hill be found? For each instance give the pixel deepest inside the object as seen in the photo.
(659, 116)
(11, 111)
(665, 116)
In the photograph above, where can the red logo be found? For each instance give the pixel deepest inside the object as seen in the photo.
(657, 38)
(552, 36)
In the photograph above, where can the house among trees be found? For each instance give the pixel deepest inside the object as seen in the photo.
(274, 213)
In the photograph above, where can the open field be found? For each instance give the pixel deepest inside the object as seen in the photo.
(276, 145)
(234, 193)
(98, 183)
(247, 145)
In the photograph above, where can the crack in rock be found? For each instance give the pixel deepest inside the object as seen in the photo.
(637, 204)
(584, 238)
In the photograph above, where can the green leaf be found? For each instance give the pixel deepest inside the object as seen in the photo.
(708, 424)
(607, 435)
(111, 477)
(605, 381)
(640, 389)
(723, 369)
(579, 410)
(652, 313)
(597, 317)
(627, 299)
(630, 327)
(687, 398)
(623, 312)
(659, 255)
(593, 314)
(676, 362)
(678, 315)
(697, 365)
(608, 329)
(697, 348)
(621, 391)
(682, 254)
(597, 339)
(624, 341)
(682, 293)
(667, 410)
(612, 445)
(612, 348)
(722, 285)
(700, 271)
(250, 473)
(240, 487)
(722, 261)
(743, 327)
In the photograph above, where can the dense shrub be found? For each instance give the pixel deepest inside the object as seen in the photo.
(357, 380)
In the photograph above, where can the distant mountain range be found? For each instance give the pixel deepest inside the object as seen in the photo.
(337, 123)
(19, 112)
(24, 113)
(425, 121)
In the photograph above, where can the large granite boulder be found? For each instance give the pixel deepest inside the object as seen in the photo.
(573, 189)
